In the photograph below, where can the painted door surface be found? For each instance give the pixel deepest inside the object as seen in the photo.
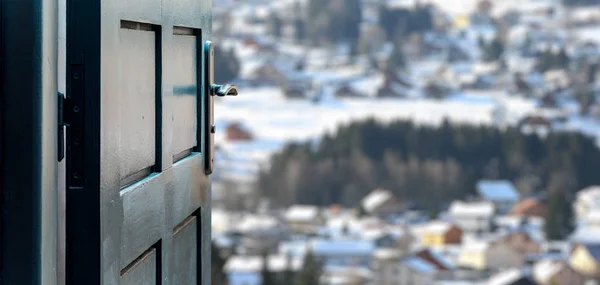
(138, 199)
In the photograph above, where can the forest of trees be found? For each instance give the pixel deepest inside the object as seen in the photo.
(400, 22)
(580, 2)
(427, 166)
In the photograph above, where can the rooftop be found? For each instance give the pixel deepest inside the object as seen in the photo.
(497, 190)
(419, 264)
(302, 213)
(460, 208)
(376, 199)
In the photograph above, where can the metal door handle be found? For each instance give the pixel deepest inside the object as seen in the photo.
(211, 90)
(223, 90)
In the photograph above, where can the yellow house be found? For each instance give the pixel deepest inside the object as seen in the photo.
(438, 234)
(585, 259)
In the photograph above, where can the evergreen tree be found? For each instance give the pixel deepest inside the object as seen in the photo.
(311, 271)
(591, 72)
(353, 54)
(559, 221)
(288, 273)
(562, 59)
(397, 60)
(299, 30)
(494, 50)
(266, 275)
(275, 25)
(218, 276)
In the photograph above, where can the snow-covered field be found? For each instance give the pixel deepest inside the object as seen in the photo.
(275, 120)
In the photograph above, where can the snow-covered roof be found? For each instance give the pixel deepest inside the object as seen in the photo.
(376, 198)
(476, 246)
(545, 269)
(461, 209)
(254, 223)
(441, 259)
(386, 253)
(497, 190)
(438, 227)
(419, 264)
(302, 213)
(506, 277)
(322, 247)
(276, 263)
(593, 249)
(295, 248)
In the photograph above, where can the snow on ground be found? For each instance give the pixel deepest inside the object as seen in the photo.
(275, 120)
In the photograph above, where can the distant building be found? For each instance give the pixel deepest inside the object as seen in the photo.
(304, 218)
(472, 217)
(587, 200)
(538, 125)
(530, 207)
(385, 266)
(513, 276)
(343, 252)
(439, 234)
(416, 271)
(522, 242)
(490, 255)
(550, 272)
(238, 132)
(585, 259)
(246, 270)
(382, 202)
(502, 193)
(436, 258)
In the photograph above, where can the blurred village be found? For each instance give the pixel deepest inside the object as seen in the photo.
(308, 66)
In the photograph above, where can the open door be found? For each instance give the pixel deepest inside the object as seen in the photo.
(138, 197)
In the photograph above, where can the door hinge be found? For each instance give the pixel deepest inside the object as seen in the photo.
(62, 124)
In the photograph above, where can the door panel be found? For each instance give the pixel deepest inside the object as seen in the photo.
(185, 260)
(137, 94)
(184, 65)
(138, 200)
(142, 271)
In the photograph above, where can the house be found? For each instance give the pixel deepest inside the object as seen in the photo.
(535, 125)
(585, 259)
(267, 74)
(246, 270)
(436, 258)
(345, 275)
(550, 272)
(511, 277)
(381, 238)
(439, 234)
(416, 271)
(522, 242)
(587, 200)
(238, 132)
(343, 252)
(490, 255)
(304, 218)
(385, 266)
(472, 217)
(381, 202)
(502, 193)
(530, 207)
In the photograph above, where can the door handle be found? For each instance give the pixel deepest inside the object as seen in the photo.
(210, 90)
(223, 90)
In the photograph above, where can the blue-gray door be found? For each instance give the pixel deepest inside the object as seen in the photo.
(138, 200)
